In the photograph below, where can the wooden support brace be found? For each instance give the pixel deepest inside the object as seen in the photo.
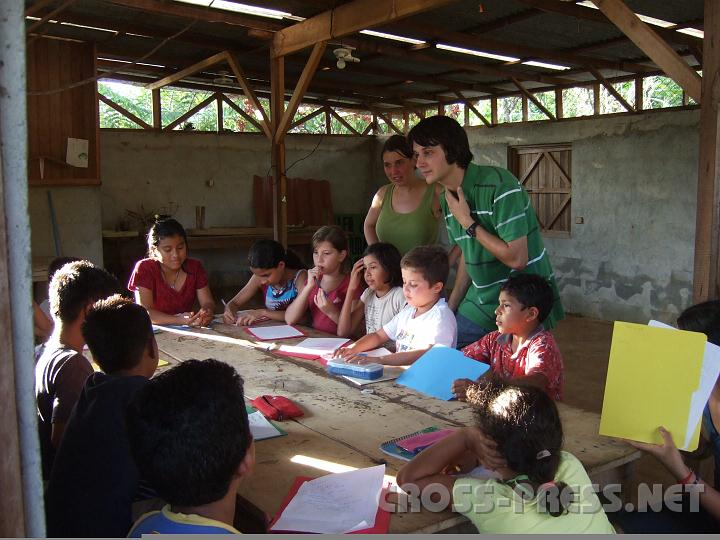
(307, 117)
(300, 89)
(241, 112)
(200, 106)
(610, 88)
(190, 70)
(122, 110)
(343, 122)
(532, 98)
(389, 122)
(249, 92)
(471, 107)
(157, 109)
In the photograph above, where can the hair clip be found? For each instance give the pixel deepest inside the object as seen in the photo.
(542, 454)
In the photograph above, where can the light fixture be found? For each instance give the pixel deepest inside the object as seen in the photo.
(484, 54)
(344, 55)
(545, 65)
(393, 37)
(241, 8)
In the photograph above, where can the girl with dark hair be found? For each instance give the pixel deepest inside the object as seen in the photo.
(327, 283)
(382, 300)
(406, 212)
(539, 488)
(167, 282)
(278, 274)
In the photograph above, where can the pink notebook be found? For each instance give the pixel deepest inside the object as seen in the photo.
(419, 442)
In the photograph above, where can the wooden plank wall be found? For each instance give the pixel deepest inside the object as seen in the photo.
(51, 64)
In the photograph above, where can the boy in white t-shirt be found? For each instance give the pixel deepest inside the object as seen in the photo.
(425, 321)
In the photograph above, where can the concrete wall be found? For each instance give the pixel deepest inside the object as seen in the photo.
(634, 184)
(171, 171)
(77, 212)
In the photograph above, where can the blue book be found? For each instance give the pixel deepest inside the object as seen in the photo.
(434, 372)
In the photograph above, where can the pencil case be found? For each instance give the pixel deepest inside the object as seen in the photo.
(276, 407)
(369, 372)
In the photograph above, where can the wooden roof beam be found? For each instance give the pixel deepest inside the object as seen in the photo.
(190, 70)
(653, 45)
(188, 11)
(347, 19)
(535, 100)
(610, 88)
(483, 43)
(580, 12)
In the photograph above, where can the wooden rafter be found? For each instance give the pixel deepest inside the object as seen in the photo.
(347, 19)
(249, 92)
(470, 106)
(473, 41)
(580, 12)
(200, 106)
(340, 119)
(241, 112)
(307, 117)
(199, 13)
(37, 24)
(122, 110)
(190, 70)
(532, 98)
(390, 123)
(610, 88)
(653, 45)
(37, 7)
(300, 89)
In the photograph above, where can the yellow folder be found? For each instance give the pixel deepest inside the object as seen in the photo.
(652, 375)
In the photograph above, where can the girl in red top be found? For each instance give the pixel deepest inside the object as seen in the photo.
(167, 282)
(327, 283)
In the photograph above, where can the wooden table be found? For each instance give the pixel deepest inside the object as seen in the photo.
(344, 426)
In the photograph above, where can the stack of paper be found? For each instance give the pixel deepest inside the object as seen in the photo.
(335, 503)
(658, 376)
(313, 347)
(280, 331)
(261, 428)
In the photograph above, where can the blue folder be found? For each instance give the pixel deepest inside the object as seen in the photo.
(434, 372)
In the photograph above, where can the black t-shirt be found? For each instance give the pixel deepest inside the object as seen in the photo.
(94, 480)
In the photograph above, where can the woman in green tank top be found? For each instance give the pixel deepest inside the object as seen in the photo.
(406, 212)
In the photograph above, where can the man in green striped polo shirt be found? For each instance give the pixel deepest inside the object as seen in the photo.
(489, 215)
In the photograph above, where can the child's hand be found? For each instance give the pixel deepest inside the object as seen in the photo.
(324, 304)
(356, 276)
(343, 352)
(205, 316)
(313, 278)
(192, 318)
(484, 448)
(250, 317)
(358, 358)
(463, 465)
(459, 388)
(229, 315)
(667, 453)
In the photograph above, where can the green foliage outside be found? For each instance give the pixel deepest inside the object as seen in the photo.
(658, 92)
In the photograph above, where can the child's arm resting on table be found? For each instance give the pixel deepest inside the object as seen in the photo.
(365, 343)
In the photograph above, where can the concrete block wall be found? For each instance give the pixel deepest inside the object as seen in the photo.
(173, 170)
(634, 185)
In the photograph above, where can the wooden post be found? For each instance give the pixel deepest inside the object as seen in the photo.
(559, 103)
(705, 274)
(639, 95)
(220, 122)
(374, 124)
(328, 123)
(406, 121)
(524, 109)
(157, 109)
(494, 111)
(277, 108)
(466, 109)
(441, 109)
(596, 98)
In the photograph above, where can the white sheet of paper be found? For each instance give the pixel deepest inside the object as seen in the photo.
(708, 376)
(389, 373)
(315, 346)
(275, 332)
(335, 503)
(260, 427)
(77, 152)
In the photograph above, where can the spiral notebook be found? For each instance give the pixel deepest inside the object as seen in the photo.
(394, 447)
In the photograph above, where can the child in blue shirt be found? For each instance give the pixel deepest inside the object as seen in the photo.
(190, 435)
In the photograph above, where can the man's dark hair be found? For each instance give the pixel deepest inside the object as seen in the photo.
(703, 317)
(77, 284)
(430, 261)
(57, 263)
(266, 254)
(117, 332)
(188, 431)
(446, 132)
(531, 290)
(524, 423)
(389, 258)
